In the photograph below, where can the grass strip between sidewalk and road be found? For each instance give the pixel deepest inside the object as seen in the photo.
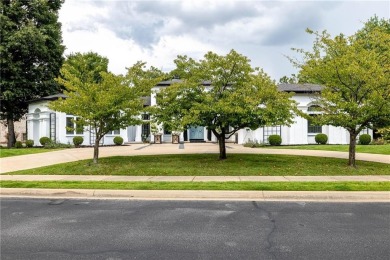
(249, 186)
(209, 165)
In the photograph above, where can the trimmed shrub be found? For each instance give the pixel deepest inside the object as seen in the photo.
(321, 138)
(45, 140)
(78, 140)
(118, 140)
(365, 139)
(29, 143)
(275, 140)
(18, 144)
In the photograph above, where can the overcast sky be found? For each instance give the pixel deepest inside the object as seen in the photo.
(157, 31)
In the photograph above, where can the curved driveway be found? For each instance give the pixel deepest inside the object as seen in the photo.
(30, 161)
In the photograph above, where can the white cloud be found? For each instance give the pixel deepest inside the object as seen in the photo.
(158, 31)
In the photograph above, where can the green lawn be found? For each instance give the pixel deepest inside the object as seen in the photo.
(376, 149)
(7, 152)
(209, 165)
(275, 186)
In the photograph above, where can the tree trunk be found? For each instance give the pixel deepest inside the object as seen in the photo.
(96, 151)
(11, 133)
(352, 149)
(222, 147)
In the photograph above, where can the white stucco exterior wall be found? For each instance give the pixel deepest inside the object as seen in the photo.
(38, 125)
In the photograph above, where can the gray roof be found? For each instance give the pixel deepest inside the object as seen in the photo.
(55, 96)
(299, 88)
(287, 87)
(51, 97)
(147, 100)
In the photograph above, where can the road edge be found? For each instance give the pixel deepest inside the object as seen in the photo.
(317, 196)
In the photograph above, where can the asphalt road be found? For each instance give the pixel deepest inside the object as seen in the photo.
(112, 229)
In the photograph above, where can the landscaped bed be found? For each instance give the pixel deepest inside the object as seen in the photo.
(209, 165)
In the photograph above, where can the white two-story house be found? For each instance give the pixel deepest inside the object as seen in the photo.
(41, 121)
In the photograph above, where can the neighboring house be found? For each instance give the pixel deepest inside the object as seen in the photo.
(20, 131)
(41, 121)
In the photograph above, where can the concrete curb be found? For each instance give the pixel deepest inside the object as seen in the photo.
(317, 196)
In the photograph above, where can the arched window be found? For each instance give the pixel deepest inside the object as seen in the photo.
(36, 113)
(314, 108)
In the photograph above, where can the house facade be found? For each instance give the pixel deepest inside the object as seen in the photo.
(302, 131)
(41, 121)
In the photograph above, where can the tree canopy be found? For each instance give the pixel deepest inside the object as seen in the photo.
(103, 101)
(355, 73)
(224, 94)
(30, 55)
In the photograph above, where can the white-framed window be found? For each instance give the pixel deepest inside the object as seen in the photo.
(72, 126)
(312, 128)
(114, 132)
(271, 130)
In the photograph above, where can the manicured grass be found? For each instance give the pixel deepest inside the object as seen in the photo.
(8, 152)
(376, 149)
(209, 165)
(275, 186)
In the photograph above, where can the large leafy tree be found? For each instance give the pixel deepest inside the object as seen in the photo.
(355, 73)
(293, 79)
(223, 93)
(101, 100)
(30, 55)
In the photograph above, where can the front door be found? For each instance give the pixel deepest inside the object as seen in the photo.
(196, 133)
(131, 133)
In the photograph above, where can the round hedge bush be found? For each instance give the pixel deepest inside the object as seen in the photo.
(274, 140)
(321, 138)
(45, 140)
(29, 143)
(118, 140)
(78, 140)
(18, 144)
(365, 139)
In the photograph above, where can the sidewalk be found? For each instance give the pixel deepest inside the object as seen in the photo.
(315, 196)
(23, 162)
(366, 178)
